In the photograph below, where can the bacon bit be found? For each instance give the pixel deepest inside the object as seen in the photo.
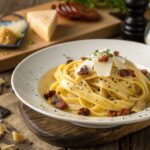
(58, 102)
(83, 71)
(69, 61)
(84, 111)
(123, 112)
(119, 113)
(126, 72)
(131, 72)
(116, 53)
(83, 58)
(111, 114)
(104, 58)
(144, 71)
(49, 94)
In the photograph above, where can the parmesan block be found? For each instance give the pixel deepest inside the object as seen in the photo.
(43, 22)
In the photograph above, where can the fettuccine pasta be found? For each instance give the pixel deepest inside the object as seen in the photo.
(102, 84)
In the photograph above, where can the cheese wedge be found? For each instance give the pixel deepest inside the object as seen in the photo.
(2, 130)
(1, 81)
(17, 137)
(43, 22)
(102, 69)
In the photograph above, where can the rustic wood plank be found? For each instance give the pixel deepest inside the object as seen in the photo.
(3, 9)
(41, 2)
(137, 141)
(140, 140)
(146, 134)
(109, 146)
(124, 143)
(8, 6)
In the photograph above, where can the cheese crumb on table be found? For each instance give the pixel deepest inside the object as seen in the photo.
(3, 129)
(17, 137)
(8, 147)
(43, 22)
(1, 81)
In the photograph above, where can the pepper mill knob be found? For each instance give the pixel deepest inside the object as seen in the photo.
(135, 22)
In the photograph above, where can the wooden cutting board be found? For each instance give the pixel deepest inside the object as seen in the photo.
(65, 134)
(66, 31)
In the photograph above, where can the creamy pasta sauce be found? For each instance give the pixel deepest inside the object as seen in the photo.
(46, 81)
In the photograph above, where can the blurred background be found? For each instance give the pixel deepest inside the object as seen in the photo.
(5, 5)
(116, 7)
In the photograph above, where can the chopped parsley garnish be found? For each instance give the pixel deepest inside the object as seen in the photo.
(107, 51)
(110, 54)
(95, 52)
(67, 57)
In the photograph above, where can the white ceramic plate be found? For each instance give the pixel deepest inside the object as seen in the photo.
(27, 74)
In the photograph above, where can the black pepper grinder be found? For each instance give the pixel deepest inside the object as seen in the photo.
(135, 22)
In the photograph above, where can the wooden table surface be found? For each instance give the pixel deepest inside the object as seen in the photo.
(135, 141)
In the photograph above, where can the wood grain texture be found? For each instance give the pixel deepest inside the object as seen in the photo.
(140, 140)
(70, 135)
(124, 143)
(67, 30)
(109, 146)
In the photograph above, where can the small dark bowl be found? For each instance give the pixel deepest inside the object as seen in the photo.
(20, 40)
